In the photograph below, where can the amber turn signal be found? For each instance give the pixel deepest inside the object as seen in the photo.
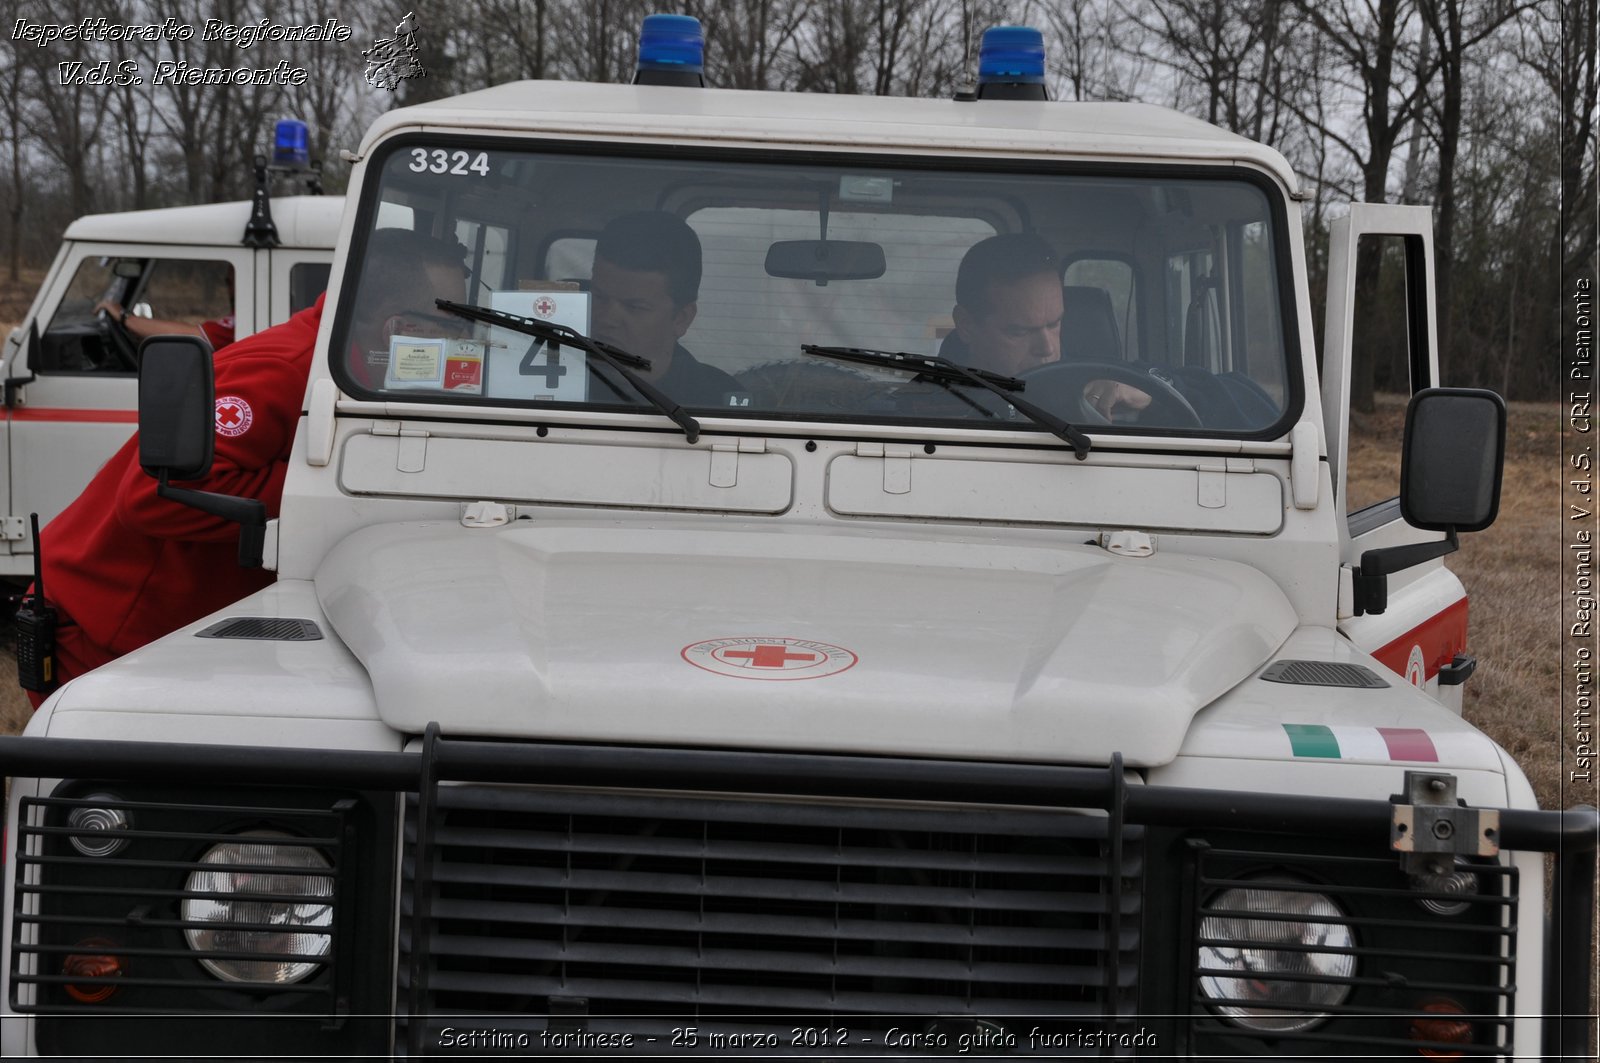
(92, 964)
(1443, 1022)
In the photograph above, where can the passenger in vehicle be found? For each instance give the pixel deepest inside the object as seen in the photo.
(1009, 316)
(405, 272)
(644, 289)
(124, 566)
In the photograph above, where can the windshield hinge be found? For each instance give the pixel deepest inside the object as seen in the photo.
(411, 452)
(896, 465)
(725, 459)
(1429, 827)
(1212, 480)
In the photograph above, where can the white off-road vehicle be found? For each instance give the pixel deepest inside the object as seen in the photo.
(70, 374)
(868, 703)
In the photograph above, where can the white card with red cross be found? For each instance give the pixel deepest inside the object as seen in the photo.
(520, 367)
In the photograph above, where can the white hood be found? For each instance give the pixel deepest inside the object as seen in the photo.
(875, 643)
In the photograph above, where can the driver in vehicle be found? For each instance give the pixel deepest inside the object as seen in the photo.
(218, 332)
(1008, 317)
(644, 288)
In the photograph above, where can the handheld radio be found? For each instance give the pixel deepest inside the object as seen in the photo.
(36, 630)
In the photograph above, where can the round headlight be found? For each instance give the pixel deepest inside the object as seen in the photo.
(1277, 978)
(258, 899)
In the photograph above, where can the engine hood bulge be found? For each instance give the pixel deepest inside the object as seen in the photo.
(760, 638)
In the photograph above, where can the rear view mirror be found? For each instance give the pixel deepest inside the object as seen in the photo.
(1452, 460)
(177, 407)
(825, 260)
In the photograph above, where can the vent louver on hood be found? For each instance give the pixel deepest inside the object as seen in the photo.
(1323, 674)
(266, 628)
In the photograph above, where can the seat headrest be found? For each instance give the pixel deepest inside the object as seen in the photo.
(1089, 325)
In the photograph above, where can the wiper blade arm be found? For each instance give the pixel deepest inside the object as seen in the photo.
(562, 336)
(938, 368)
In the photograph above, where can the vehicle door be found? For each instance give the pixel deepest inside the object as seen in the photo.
(1424, 627)
(73, 397)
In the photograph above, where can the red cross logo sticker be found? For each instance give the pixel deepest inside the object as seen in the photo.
(751, 657)
(544, 306)
(234, 416)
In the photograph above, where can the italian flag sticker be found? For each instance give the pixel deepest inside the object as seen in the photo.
(1360, 743)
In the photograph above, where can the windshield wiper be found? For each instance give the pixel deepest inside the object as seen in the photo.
(942, 369)
(562, 336)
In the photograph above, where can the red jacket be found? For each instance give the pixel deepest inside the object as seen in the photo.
(128, 567)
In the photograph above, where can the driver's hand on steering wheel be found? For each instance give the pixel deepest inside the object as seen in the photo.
(1109, 398)
(111, 307)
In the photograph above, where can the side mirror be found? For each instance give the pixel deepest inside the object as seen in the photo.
(1453, 458)
(177, 407)
(177, 428)
(1450, 469)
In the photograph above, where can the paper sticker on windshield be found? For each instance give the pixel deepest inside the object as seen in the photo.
(769, 658)
(415, 362)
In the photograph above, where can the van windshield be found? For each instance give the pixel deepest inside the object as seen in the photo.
(1123, 301)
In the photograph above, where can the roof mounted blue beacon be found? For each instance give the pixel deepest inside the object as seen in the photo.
(671, 52)
(291, 144)
(1011, 64)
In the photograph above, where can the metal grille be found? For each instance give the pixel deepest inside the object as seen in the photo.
(263, 628)
(128, 906)
(1408, 960)
(746, 915)
(1323, 674)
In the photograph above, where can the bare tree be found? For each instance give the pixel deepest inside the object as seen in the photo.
(1370, 45)
(13, 81)
(65, 114)
(1454, 33)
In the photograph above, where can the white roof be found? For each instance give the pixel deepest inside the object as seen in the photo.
(1126, 131)
(302, 221)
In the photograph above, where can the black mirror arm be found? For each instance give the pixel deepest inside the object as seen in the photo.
(1371, 578)
(249, 513)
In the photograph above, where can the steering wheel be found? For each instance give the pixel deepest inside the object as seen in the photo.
(115, 339)
(1060, 386)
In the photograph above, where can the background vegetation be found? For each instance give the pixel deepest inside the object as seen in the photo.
(1484, 108)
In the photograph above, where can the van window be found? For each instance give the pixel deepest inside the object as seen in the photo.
(182, 294)
(307, 280)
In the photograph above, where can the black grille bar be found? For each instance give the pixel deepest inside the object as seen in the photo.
(955, 781)
(788, 790)
(1387, 989)
(57, 896)
(690, 908)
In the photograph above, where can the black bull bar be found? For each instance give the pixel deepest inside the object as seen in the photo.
(1570, 836)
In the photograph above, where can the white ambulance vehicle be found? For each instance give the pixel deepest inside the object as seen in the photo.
(70, 374)
(849, 701)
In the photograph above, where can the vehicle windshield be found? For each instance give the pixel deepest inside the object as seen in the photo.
(1122, 301)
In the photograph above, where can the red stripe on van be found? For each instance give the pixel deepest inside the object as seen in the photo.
(62, 413)
(1441, 636)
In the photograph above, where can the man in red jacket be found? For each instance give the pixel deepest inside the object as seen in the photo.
(124, 566)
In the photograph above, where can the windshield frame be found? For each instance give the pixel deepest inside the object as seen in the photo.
(549, 412)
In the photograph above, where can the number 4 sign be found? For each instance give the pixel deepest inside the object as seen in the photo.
(526, 369)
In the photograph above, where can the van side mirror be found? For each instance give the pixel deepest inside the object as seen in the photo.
(1454, 454)
(177, 430)
(1450, 469)
(177, 407)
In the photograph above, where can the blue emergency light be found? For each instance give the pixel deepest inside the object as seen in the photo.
(1011, 64)
(672, 51)
(291, 144)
